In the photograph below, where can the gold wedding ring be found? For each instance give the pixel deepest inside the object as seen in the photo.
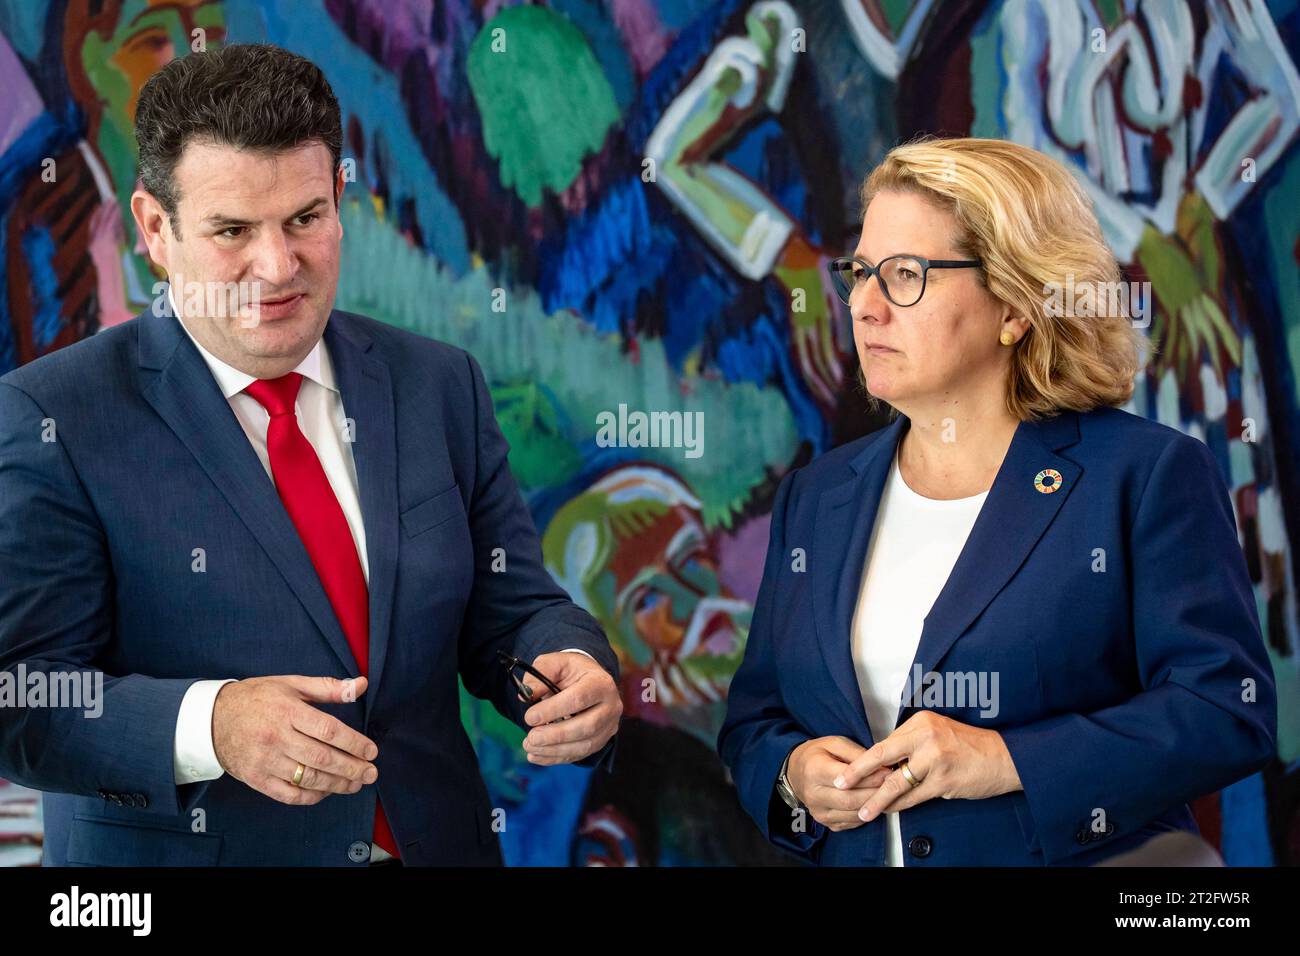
(907, 775)
(297, 775)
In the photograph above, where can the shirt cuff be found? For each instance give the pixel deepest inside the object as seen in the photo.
(575, 650)
(194, 757)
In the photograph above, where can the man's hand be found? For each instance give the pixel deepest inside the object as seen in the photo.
(588, 697)
(263, 727)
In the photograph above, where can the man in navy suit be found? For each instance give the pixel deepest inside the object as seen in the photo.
(272, 533)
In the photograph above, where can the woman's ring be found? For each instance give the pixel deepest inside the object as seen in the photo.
(907, 775)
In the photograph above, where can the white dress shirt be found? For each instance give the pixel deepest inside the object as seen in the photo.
(320, 415)
(914, 545)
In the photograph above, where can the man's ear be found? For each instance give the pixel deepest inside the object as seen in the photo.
(152, 223)
(339, 182)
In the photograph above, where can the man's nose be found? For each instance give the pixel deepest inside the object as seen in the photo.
(275, 261)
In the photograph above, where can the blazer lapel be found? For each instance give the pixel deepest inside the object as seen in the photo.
(1012, 520)
(186, 396)
(367, 392)
(846, 515)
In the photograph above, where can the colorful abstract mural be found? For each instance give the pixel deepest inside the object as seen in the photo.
(625, 206)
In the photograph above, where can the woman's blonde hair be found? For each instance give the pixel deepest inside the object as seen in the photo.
(1023, 214)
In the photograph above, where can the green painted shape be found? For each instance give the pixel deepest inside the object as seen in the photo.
(543, 99)
(749, 430)
(1111, 13)
(986, 79)
(540, 454)
(1282, 226)
(896, 14)
(1173, 275)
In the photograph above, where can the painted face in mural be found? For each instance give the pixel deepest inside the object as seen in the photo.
(634, 550)
(262, 221)
(943, 348)
(128, 42)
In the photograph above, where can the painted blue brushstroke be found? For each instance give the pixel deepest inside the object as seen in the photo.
(23, 25)
(8, 349)
(606, 44)
(673, 72)
(763, 350)
(1245, 823)
(38, 249)
(46, 136)
(1229, 91)
(539, 831)
(765, 155)
(608, 256)
(676, 14)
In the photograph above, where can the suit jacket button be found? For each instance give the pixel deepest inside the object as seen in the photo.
(141, 800)
(359, 852)
(116, 798)
(920, 846)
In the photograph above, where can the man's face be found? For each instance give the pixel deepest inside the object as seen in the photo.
(269, 222)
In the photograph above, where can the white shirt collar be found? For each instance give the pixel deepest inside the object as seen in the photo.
(316, 366)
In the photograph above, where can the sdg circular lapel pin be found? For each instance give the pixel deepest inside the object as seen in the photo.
(1047, 481)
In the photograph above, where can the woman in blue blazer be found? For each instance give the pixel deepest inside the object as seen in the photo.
(1015, 626)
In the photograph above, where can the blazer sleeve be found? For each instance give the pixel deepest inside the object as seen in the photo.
(1207, 712)
(520, 610)
(759, 732)
(56, 623)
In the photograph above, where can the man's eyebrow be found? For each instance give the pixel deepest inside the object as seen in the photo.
(226, 222)
(318, 201)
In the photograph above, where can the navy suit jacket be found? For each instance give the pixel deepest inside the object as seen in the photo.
(1123, 693)
(98, 537)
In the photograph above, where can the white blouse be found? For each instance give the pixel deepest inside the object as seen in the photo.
(914, 545)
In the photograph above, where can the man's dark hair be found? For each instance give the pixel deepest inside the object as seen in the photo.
(251, 96)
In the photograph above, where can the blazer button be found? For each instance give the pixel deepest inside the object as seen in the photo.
(359, 852)
(116, 798)
(920, 846)
(141, 800)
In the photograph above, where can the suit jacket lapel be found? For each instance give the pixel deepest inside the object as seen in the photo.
(1014, 517)
(846, 515)
(364, 383)
(1012, 520)
(180, 387)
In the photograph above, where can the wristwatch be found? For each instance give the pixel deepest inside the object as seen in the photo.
(785, 790)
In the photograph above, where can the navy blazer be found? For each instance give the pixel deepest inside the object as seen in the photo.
(98, 538)
(1123, 693)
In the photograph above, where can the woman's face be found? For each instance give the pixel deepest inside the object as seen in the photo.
(943, 351)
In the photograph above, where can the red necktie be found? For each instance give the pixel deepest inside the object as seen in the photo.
(315, 512)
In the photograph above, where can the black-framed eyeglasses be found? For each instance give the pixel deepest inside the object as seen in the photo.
(902, 278)
(512, 664)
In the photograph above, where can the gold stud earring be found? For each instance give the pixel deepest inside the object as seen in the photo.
(1006, 338)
